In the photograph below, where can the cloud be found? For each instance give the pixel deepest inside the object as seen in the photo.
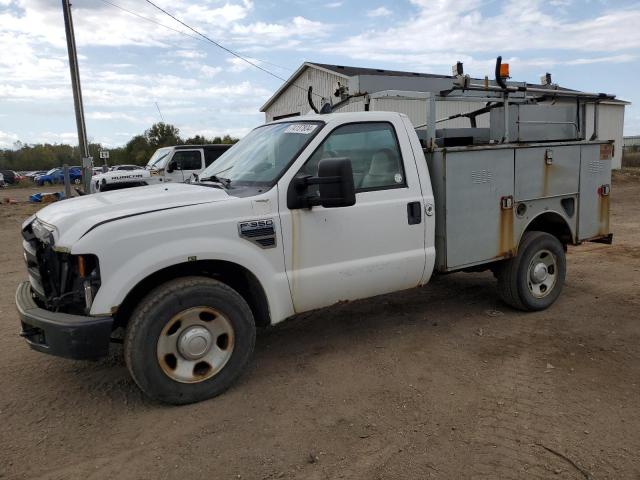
(518, 26)
(238, 65)
(7, 139)
(270, 33)
(191, 131)
(191, 54)
(379, 12)
(203, 14)
(206, 71)
(58, 137)
(100, 115)
(333, 5)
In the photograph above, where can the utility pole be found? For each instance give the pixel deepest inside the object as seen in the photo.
(77, 96)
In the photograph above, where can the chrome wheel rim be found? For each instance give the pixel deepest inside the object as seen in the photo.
(542, 274)
(195, 345)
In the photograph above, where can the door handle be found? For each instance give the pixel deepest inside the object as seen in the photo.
(414, 213)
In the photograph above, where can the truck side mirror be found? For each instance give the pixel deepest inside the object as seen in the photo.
(335, 181)
(171, 166)
(336, 186)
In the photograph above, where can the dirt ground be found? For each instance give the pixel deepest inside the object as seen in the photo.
(438, 382)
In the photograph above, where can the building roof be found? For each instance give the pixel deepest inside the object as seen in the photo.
(345, 72)
(353, 71)
(348, 72)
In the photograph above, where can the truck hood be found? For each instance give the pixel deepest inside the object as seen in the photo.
(74, 217)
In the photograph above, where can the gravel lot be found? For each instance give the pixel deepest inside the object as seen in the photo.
(438, 382)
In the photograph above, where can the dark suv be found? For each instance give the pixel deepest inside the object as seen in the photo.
(10, 177)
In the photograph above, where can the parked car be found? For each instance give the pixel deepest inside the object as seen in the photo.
(32, 175)
(168, 164)
(56, 175)
(10, 177)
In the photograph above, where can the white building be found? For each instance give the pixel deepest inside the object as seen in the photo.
(334, 82)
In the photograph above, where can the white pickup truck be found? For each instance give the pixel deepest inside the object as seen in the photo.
(167, 164)
(300, 214)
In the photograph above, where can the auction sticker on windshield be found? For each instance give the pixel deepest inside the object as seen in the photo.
(303, 128)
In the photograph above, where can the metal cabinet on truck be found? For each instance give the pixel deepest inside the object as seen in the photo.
(490, 195)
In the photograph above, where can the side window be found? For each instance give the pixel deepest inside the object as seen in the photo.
(188, 159)
(212, 155)
(374, 152)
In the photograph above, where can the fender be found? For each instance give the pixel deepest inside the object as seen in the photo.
(552, 221)
(117, 283)
(133, 248)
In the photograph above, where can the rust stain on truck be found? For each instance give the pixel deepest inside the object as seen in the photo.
(506, 246)
(546, 172)
(603, 209)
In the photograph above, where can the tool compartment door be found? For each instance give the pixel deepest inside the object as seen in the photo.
(477, 228)
(595, 175)
(546, 172)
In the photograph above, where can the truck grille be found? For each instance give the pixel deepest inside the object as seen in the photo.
(43, 266)
(33, 267)
(54, 276)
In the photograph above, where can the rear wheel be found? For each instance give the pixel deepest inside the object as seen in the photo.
(533, 279)
(188, 340)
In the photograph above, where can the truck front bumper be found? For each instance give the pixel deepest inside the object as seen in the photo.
(62, 334)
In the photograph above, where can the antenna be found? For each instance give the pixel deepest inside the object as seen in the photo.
(158, 107)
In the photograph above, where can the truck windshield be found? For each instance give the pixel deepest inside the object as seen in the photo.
(157, 157)
(260, 158)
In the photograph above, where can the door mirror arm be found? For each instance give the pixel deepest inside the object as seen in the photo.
(171, 166)
(301, 185)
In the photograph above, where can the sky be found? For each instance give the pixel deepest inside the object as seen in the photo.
(129, 64)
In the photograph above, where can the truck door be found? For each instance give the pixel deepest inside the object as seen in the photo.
(375, 246)
(184, 163)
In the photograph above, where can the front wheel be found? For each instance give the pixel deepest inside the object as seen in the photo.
(188, 340)
(533, 279)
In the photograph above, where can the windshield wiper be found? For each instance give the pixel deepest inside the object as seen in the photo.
(214, 178)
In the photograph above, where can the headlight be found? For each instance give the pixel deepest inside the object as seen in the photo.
(42, 231)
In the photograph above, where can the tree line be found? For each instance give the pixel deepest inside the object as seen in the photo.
(138, 150)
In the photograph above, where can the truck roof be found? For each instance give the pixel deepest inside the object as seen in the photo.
(342, 116)
(209, 146)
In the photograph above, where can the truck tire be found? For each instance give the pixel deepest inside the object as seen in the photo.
(533, 279)
(188, 340)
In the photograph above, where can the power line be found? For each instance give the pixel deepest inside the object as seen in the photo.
(130, 12)
(151, 20)
(237, 55)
